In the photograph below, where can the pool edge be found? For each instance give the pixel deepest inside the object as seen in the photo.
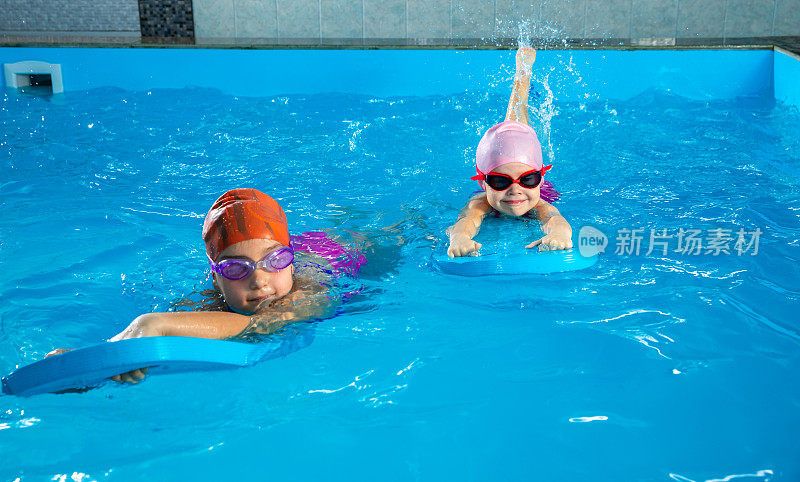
(694, 73)
(786, 71)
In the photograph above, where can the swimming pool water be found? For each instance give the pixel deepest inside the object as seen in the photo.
(643, 367)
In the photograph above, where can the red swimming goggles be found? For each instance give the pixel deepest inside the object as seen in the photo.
(501, 182)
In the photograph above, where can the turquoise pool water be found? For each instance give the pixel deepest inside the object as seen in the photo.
(643, 367)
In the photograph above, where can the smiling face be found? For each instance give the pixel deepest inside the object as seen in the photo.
(261, 287)
(516, 200)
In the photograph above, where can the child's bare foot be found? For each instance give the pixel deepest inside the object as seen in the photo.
(526, 56)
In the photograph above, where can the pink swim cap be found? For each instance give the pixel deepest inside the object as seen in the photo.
(508, 141)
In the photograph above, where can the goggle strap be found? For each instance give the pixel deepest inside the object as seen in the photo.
(478, 177)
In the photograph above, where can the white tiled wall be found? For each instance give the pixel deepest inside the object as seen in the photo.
(312, 21)
(317, 20)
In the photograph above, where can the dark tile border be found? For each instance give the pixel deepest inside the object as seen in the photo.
(168, 41)
(791, 44)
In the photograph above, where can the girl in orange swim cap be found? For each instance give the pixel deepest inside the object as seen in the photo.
(248, 248)
(249, 251)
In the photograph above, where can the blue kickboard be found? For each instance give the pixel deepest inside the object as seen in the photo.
(93, 365)
(529, 261)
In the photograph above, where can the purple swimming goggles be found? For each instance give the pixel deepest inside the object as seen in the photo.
(236, 269)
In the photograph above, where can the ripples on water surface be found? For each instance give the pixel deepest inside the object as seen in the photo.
(640, 368)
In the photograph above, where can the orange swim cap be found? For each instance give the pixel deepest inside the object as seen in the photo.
(242, 214)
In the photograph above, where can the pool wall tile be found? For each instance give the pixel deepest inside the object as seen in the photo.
(472, 18)
(787, 17)
(342, 18)
(21, 15)
(15, 16)
(214, 19)
(653, 18)
(384, 19)
(515, 18)
(701, 18)
(298, 19)
(428, 19)
(256, 19)
(69, 15)
(608, 18)
(563, 18)
(749, 18)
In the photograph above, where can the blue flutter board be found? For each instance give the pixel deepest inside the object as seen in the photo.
(518, 262)
(93, 365)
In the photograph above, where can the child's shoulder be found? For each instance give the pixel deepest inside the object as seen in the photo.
(479, 201)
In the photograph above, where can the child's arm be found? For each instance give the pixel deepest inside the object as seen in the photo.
(557, 231)
(518, 103)
(198, 324)
(218, 324)
(467, 226)
(295, 306)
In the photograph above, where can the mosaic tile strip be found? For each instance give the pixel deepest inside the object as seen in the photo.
(166, 19)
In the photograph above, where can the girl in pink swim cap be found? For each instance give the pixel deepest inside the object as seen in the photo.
(511, 172)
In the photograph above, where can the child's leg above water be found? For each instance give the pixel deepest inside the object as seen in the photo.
(518, 102)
